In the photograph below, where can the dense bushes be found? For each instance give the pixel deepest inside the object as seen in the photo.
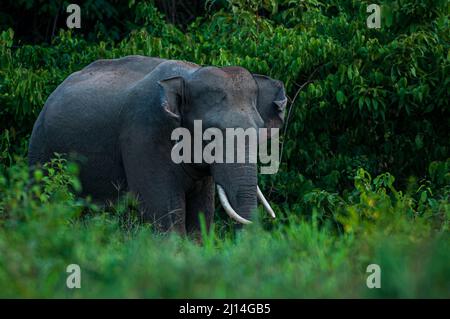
(364, 103)
(376, 98)
(41, 232)
(372, 99)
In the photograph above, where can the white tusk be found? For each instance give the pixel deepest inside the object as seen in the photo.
(265, 203)
(227, 206)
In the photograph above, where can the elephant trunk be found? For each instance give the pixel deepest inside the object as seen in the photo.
(237, 189)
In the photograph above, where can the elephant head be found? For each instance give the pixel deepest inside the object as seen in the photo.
(224, 98)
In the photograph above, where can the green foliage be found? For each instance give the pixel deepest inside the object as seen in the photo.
(363, 102)
(41, 232)
(372, 99)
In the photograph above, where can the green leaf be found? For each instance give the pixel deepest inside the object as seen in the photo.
(361, 102)
(375, 104)
(340, 97)
(350, 72)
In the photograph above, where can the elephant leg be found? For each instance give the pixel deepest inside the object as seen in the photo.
(161, 198)
(167, 217)
(161, 206)
(200, 200)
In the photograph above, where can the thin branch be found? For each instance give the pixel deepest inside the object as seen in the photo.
(286, 125)
(309, 80)
(55, 21)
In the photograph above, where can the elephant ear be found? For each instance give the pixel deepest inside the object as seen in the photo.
(271, 101)
(172, 96)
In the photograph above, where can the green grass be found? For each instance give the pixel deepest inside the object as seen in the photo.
(41, 232)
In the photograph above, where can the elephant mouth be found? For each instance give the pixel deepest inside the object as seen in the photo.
(232, 213)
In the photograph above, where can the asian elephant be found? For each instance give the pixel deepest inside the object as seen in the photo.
(117, 116)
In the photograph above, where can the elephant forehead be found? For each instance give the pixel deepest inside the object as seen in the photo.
(229, 79)
(240, 78)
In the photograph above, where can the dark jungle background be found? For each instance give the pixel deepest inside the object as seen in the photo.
(365, 170)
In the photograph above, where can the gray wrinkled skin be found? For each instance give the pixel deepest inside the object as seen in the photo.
(115, 117)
